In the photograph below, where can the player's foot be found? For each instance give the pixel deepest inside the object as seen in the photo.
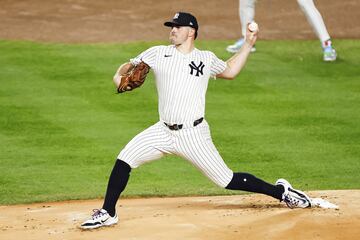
(100, 218)
(237, 45)
(292, 197)
(329, 54)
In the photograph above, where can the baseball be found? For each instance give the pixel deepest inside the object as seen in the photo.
(253, 27)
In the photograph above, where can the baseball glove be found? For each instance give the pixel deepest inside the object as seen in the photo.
(134, 77)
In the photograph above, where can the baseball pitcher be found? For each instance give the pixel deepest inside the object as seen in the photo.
(182, 73)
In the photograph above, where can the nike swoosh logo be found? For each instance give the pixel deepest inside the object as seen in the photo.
(167, 55)
(102, 221)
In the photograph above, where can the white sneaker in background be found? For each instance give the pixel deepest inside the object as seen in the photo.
(234, 48)
(329, 54)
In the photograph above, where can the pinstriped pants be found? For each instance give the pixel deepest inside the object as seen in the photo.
(193, 144)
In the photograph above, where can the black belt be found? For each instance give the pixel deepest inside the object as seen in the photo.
(179, 126)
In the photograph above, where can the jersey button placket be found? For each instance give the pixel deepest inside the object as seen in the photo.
(185, 64)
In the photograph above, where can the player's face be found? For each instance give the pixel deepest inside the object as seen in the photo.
(179, 34)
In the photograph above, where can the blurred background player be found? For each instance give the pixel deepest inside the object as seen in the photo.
(247, 14)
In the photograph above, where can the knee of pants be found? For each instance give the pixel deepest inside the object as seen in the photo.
(126, 162)
(224, 181)
(130, 163)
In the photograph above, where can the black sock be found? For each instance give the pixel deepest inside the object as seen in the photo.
(117, 183)
(248, 182)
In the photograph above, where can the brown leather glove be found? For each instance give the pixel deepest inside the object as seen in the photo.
(134, 78)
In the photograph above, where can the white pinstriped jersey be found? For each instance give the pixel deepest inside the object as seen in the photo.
(181, 81)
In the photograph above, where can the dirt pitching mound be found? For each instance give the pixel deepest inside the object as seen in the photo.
(222, 217)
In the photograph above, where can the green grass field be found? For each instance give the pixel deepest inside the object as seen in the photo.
(288, 114)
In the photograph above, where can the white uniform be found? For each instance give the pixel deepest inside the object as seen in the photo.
(315, 19)
(181, 82)
(247, 14)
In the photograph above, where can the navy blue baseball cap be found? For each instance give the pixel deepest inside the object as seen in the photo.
(184, 19)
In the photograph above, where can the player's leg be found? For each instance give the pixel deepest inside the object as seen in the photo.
(116, 184)
(248, 182)
(149, 145)
(246, 14)
(198, 148)
(317, 23)
(195, 145)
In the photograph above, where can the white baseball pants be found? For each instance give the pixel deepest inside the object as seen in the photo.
(314, 18)
(191, 143)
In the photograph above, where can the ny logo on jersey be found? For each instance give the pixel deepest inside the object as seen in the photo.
(199, 69)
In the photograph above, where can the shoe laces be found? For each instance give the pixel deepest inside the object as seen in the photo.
(97, 213)
(291, 201)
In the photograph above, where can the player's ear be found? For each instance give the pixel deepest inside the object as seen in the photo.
(192, 32)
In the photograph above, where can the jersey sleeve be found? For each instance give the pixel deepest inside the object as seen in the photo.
(148, 56)
(217, 65)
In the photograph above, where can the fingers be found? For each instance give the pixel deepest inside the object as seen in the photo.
(251, 33)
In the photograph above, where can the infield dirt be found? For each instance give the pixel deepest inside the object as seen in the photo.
(220, 217)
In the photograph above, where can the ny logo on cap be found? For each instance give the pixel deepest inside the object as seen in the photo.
(176, 16)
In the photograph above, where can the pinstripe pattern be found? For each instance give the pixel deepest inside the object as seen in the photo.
(194, 144)
(181, 82)
(151, 144)
(181, 95)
